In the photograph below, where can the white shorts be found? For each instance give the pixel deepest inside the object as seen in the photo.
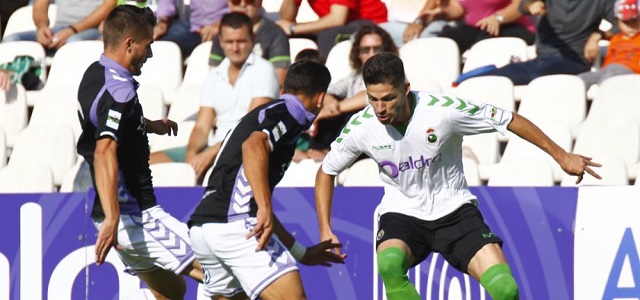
(155, 240)
(231, 263)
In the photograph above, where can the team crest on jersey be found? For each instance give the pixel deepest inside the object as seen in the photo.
(380, 234)
(493, 113)
(113, 119)
(431, 136)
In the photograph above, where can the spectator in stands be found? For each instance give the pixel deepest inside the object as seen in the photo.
(405, 22)
(566, 41)
(114, 142)
(338, 19)
(76, 20)
(240, 83)
(270, 39)
(348, 95)
(6, 9)
(623, 55)
(189, 30)
(482, 19)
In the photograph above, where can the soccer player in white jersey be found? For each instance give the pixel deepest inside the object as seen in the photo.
(427, 206)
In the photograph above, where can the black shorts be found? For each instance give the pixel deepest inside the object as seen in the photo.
(456, 236)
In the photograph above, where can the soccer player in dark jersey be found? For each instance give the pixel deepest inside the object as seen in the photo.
(114, 143)
(231, 229)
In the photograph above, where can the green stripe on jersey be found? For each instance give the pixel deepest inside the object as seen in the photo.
(461, 105)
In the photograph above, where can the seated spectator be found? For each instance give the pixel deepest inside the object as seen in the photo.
(23, 69)
(566, 41)
(348, 95)
(240, 83)
(76, 20)
(202, 23)
(623, 55)
(270, 39)
(482, 19)
(405, 22)
(6, 9)
(338, 19)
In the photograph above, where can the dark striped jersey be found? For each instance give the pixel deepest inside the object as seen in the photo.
(228, 196)
(109, 108)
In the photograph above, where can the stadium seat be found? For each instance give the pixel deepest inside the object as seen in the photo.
(364, 172)
(22, 19)
(498, 51)
(617, 135)
(477, 90)
(471, 172)
(49, 145)
(338, 61)
(436, 58)
(150, 97)
(163, 142)
(70, 176)
(556, 99)
(523, 172)
(3, 149)
(485, 150)
(305, 13)
(519, 149)
(197, 65)
(173, 174)
(164, 69)
(298, 44)
(59, 105)
(32, 178)
(187, 103)
(8, 51)
(302, 174)
(616, 96)
(13, 112)
(613, 172)
(426, 84)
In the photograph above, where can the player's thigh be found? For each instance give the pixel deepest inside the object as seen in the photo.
(407, 233)
(488, 256)
(164, 284)
(288, 286)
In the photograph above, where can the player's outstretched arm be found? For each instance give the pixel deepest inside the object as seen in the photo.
(255, 159)
(572, 164)
(324, 198)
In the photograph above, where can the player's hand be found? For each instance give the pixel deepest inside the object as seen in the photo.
(44, 36)
(538, 8)
(162, 127)
(263, 229)
(107, 237)
(578, 165)
(489, 24)
(321, 254)
(334, 239)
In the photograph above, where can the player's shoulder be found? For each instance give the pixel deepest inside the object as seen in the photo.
(447, 103)
(363, 122)
(121, 88)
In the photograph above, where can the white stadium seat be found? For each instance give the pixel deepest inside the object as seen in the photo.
(8, 51)
(173, 174)
(524, 172)
(613, 172)
(151, 99)
(59, 105)
(298, 44)
(32, 178)
(498, 51)
(164, 69)
(13, 112)
(302, 174)
(436, 58)
(3, 149)
(22, 19)
(338, 61)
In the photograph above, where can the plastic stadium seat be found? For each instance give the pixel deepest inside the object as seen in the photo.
(477, 90)
(150, 97)
(197, 65)
(497, 51)
(70, 176)
(33, 178)
(49, 145)
(3, 149)
(617, 135)
(426, 84)
(302, 174)
(557, 99)
(59, 105)
(305, 13)
(13, 112)
(616, 96)
(8, 51)
(173, 174)
(298, 44)
(338, 61)
(22, 19)
(163, 142)
(519, 149)
(436, 58)
(524, 172)
(187, 103)
(613, 172)
(471, 173)
(364, 172)
(485, 149)
(164, 69)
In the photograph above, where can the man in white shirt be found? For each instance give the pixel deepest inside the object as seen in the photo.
(427, 206)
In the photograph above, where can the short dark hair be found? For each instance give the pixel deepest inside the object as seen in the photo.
(127, 20)
(236, 20)
(384, 68)
(309, 54)
(307, 77)
(387, 44)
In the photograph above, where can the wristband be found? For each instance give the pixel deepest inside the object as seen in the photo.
(420, 21)
(292, 29)
(298, 250)
(75, 31)
(499, 17)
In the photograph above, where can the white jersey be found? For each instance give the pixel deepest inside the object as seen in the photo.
(422, 170)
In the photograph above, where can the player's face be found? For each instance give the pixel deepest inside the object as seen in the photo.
(389, 103)
(370, 45)
(237, 44)
(140, 51)
(250, 8)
